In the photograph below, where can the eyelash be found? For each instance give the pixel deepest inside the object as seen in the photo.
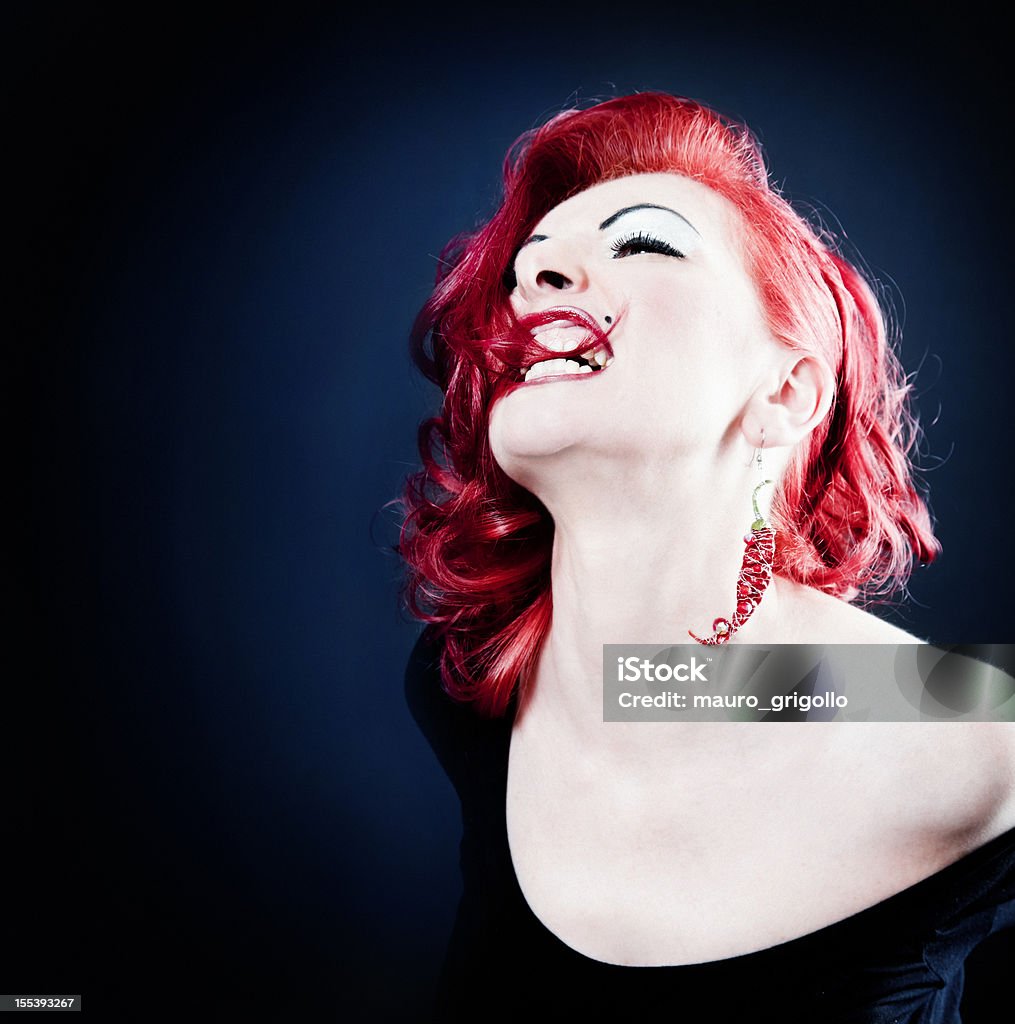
(645, 242)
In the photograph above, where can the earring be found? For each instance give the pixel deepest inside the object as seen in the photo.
(755, 572)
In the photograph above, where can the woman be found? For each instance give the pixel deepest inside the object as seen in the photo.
(641, 324)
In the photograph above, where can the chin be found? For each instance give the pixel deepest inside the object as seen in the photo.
(525, 463)
(520, 431)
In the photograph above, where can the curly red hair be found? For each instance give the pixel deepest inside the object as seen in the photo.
(477, 545)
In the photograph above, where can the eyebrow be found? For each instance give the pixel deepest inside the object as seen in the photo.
(614, 217)
(645, 206)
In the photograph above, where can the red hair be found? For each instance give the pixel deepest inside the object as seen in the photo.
(477, 545)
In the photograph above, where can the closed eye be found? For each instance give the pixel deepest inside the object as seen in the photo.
(640, 241)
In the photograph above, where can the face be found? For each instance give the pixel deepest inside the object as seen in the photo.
(660, 255)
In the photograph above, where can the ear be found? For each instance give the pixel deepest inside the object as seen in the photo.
(791, 402)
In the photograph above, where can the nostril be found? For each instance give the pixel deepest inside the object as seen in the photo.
(553, 279)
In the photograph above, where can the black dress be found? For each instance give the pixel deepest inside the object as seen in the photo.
(901, 960)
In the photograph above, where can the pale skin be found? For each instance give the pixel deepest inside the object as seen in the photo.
(654, 844)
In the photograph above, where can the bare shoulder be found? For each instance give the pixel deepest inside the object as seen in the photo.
(968, 773)
(952, 779)
(944, 787)
(999, 740)
(821, 618)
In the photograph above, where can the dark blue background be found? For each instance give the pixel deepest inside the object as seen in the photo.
(214, 787)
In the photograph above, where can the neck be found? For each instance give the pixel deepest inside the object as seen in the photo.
(642, 562)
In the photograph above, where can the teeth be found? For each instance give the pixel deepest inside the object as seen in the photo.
(561, 338)
(598, 356)
(555, 368)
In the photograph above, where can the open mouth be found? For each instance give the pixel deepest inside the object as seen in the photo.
(591, 360)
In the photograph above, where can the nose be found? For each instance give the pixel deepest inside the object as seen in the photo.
(547, 267)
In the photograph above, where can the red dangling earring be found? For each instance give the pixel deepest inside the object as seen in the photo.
(755, 572)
